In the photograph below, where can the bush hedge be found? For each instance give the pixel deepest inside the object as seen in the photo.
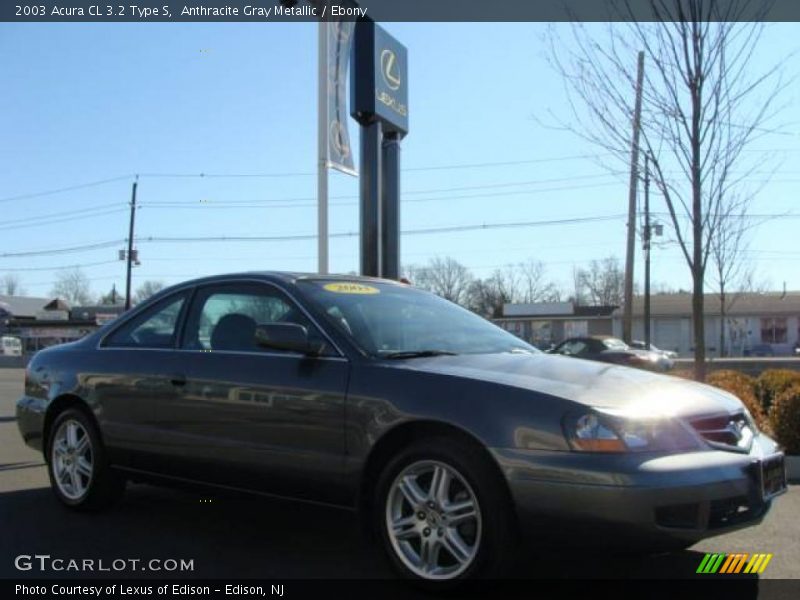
(743, 387)
(773, 382)
(682, 373)
(784, 418)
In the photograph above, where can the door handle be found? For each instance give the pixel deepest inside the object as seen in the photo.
(178, 380)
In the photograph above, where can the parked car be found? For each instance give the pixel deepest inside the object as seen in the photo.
(760, 350)
(640, 345)
(10, 346)
(451, 437)
(613, 350)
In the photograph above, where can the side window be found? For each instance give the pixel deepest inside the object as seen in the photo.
(574, 348)
(226, 317)
(154, 328)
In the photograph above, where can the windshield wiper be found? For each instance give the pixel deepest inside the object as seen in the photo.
(418, 354)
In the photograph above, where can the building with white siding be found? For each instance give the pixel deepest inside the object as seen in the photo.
(763, 324)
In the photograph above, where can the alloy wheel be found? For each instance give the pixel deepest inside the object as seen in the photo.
(433, 520)
(72, 459)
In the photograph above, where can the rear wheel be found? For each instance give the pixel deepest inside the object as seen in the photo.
(76, 460)
(442, 514)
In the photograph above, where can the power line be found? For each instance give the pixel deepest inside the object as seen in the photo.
(455, 166)
(302, 237)
(61, 267)
(64, 219)
(45, 252)
(507, 163)
(224, 175)
(424, 231)
(268, 201)
(65, 213)
(157, 175)
(79, 186)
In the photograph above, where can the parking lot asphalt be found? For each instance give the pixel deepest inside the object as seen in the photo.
(230, 536)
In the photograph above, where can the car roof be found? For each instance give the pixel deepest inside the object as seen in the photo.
(286, 277)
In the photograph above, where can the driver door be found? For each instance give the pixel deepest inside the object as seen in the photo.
(254, 417)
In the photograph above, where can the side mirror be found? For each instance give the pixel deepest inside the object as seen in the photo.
(286, 336)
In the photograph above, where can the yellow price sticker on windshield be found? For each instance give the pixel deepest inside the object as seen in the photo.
(350, 288)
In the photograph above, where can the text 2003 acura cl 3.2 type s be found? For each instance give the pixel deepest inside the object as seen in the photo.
(449, 434)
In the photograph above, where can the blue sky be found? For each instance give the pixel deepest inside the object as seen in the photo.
(88, 102)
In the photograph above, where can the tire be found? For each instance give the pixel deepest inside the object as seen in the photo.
(80, 476)
(434, 540)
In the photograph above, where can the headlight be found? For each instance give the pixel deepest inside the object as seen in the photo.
(595, 431)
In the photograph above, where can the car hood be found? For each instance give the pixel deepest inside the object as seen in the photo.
(601, 385)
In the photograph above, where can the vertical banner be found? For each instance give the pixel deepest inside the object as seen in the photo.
(338, 39)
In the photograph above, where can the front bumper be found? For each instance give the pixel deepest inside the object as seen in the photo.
(653, 499)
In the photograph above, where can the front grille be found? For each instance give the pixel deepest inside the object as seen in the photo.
(727, 432)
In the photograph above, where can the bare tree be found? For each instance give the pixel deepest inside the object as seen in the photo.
(534, 286)
(147, 289)
(520, 282)
(702, 104)
(11, 286)
(602, 283)
(72, 286)
(507, 281)
(731, 274)
(443, 276)
(486, 298)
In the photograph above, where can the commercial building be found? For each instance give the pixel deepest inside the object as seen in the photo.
(546, 323)
(755, 324)
(43, 322)
(763, 324)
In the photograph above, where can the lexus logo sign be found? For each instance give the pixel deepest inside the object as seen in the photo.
(390, 69)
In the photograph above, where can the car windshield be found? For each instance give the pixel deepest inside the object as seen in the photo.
(397, 321)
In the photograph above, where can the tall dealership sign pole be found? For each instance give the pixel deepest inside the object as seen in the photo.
(379, 95)
(333, 139)
(322, 145)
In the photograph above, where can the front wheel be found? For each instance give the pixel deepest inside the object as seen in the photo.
(442, 514)
(77, 464)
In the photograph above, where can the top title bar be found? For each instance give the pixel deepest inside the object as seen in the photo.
(400, 10)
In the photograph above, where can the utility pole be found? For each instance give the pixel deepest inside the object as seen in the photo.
(130, 246)
(627, 315)
(647, 238)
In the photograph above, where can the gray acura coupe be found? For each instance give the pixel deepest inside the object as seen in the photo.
(450, 436)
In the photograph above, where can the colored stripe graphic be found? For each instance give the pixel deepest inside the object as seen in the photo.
(703, 563)
(740, 563)
(755, 563)
(715, 565)
(727, 564)
(734, 563)
(767, 558)
(710, 563)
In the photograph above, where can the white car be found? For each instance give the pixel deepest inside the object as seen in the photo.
(643, 346)
(10, 346)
